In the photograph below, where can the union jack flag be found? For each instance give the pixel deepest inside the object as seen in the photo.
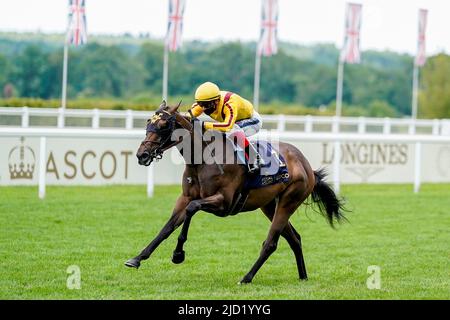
(267, 45)
(77, 33)
(421, 56)
(350, 52)
(175, 25)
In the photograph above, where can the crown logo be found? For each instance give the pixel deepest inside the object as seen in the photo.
(21, 161)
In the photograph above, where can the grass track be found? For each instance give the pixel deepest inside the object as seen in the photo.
(99, 228)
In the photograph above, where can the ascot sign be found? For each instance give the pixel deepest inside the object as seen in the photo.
(71, 162)
(89, 164)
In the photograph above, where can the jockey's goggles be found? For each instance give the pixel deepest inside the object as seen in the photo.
(207, 104)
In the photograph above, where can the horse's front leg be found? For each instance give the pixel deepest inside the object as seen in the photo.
(212, 203)
(177, 218)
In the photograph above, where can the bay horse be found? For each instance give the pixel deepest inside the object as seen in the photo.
(213, 188)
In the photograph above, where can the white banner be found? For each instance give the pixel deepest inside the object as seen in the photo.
(87, 161)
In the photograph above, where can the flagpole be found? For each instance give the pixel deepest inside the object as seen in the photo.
(339, 88)
(415, 92)
(336, 129)
(257, 80)
(64, 80)
(165, 72)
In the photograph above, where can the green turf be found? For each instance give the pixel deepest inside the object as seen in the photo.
(99, 228)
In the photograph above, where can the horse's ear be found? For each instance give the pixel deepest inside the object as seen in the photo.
(172, 110)
(162, 105)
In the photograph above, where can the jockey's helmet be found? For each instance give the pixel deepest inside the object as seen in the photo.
(207, 91)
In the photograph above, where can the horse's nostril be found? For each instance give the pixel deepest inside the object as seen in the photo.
(144, 155)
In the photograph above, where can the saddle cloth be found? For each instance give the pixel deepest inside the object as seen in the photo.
(274, 169)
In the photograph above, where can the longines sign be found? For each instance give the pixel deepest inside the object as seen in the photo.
(110, 161)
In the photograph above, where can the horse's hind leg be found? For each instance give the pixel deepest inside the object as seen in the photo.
(288, 202)
(295, 243)
(292, 237)
(279, 222)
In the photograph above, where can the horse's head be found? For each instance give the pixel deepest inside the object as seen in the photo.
(158, 134)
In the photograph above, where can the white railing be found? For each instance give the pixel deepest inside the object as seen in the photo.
(130, 119)
(336, 138)
(93, 115)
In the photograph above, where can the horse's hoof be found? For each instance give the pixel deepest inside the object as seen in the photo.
(245, 281)
(304, 279)
(133, 263)
(178, 257)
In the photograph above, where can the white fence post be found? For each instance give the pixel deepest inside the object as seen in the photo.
(435, 130)
(95, 119)
(337, 157)
(150, 181)
(336, 167)
(335, 125)
(387, 126)
(42, 167)
(25, 117)
(361, 125)
(308, 124)
(61, 121)
(412, 126)
(445, 127)
(129, 120)
(417, 166)
(281, 123)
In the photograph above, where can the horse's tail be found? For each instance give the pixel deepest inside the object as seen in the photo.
(329, 204)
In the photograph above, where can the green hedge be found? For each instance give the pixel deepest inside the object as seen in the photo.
(150, 104)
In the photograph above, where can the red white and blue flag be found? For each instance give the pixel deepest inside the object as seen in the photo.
(267, 45)
(175, 25)
(350, 52)
(421, 56)
(77, 32)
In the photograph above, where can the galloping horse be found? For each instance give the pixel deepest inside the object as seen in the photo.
(213, 188)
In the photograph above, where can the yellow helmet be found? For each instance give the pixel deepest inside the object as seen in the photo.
(207, 91)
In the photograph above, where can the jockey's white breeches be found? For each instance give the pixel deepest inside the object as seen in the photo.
(250, 126)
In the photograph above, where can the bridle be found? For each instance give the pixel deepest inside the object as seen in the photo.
(165, 133)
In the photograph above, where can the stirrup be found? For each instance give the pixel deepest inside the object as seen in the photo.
(255, 166)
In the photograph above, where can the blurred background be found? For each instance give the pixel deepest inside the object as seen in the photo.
(121, 65)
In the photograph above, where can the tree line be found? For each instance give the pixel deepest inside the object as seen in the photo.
(297, 75)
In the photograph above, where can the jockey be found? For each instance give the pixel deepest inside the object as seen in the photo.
(234, 115)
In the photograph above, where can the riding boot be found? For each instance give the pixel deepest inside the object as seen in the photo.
(254, 160)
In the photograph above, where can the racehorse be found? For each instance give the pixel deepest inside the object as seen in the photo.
(213, 188)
